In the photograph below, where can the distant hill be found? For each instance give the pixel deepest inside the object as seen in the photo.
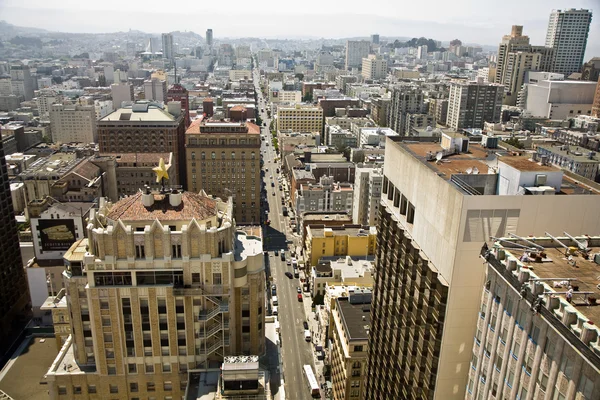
(9, 30)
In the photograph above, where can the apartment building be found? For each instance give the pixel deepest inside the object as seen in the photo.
(346, 271)
(512, 43)
(350, 323)
(336, 241)
(472, 103)
(374, 67)
(21, 81)
(164, 284)
(356, 50)
(536, 338)
(126, 173)
(327, 195)
(121, 92)
(155, 89)
(73, 123)
(405, 100)
(582, 162)
(435, 214)
(223, 160)
(568, 33)
(368, 179)
(300, 119)
(146, 127)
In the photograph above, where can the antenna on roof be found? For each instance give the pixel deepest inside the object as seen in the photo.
(438, 157)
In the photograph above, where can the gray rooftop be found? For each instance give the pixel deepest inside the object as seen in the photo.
(355, 317)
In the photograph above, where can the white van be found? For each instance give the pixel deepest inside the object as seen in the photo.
(274, 311)
(275, 301)
(307, 335)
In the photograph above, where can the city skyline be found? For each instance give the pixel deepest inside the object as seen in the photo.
(443, 22)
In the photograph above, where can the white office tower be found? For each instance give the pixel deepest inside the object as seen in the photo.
(121, 92)
(567, 34)
(356, 50)
(21, 82)
(167, 46)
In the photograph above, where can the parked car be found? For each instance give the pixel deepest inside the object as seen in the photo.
(289, 275)
(298, 289)
(305, 323)
(276, 252)
(274, 312)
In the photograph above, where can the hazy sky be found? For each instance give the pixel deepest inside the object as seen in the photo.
(476, 21)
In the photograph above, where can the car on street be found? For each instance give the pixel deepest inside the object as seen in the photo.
(274, 312)
(300, 298)
(273, 193)
(289, 275)
(305, 323)
(276, 252)
(273, 289)
(307, 335)
(298, 289)
(288, 262)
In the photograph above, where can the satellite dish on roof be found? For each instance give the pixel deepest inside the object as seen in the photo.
(439, 156)
(475, 171)
(469, 170)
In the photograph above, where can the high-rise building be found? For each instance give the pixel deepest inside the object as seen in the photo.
(596, 105)
(422, 52)
(223, 159)
(167, 46)
(21, 81)
(121, 92)
(73, 123)
(374, 67)
(300, 119)
(367, 194)
(209, 37)
(568, 34)
(509, 44)
(515, 57)
(44, 102)
(472, 103)
(375, 38)
(155, 89)
(356, 50)
(164, 283)
(15, 306)
(178, 93)
(146, 127)
(406, 100)
(536, 335)
(435, 215)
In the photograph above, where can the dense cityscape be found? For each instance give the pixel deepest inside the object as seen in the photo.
(191, 216)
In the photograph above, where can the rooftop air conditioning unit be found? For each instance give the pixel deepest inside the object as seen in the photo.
(540, 180)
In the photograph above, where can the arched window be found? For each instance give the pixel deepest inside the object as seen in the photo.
(213, 155)
(203, 155)
(193, 155)
(233, 155)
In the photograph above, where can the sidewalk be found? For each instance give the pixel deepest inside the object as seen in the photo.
(273, 358)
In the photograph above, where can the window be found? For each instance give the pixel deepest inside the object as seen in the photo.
(358, 348)
(76, 389)
(62, 390)
(104, 304)
(92, 389)
(216, 278)
(113, 388)
(149, 368)
(535, 333)
(166, 367)
(132, 368)
(112, 369)
(523, 394)
(585, 387)
(558, 395)
(168, 386)
(482, 312)
(542, 381)
(510, 379)
(566, 366)
(498, 361)
(133, 387)
(150, 387)
(474, 361)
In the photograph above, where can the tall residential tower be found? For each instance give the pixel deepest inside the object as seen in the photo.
(567, 34)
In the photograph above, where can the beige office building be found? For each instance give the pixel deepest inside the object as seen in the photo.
(164, 285)
(223, 159)
(435, 215)
(300, 119)
(146, 127)
(374, 67)
(73, 123)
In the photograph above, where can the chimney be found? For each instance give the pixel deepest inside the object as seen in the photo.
(147, 197)
(175, 198)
